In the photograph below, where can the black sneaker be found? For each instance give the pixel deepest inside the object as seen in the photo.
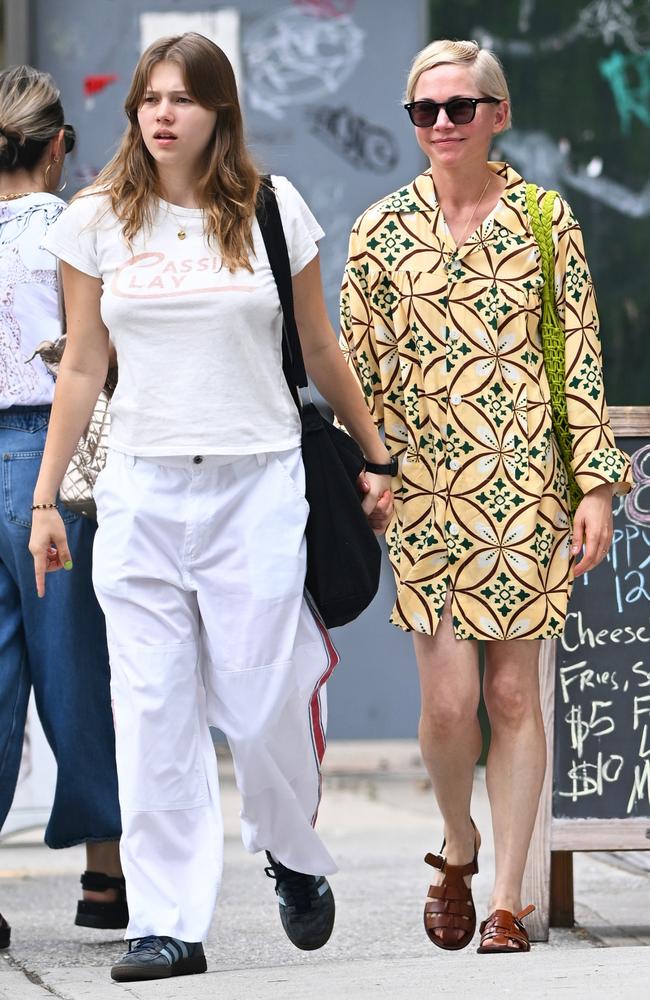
(306, 905)
(159, 958)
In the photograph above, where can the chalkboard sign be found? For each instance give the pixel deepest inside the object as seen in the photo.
(602, 681)
(595, 694)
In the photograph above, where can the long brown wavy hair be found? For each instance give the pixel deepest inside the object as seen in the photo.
(228, 185)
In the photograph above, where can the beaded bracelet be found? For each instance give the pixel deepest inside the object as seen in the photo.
(43, 506)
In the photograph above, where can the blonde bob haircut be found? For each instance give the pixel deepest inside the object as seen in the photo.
(486, 69)
(229, 181)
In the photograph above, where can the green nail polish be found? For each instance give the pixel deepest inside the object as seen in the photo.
(68, 564)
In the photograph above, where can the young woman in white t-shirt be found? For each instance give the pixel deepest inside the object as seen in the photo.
(200, 552)
(55, 647)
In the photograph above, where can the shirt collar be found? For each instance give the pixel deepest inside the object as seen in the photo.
(512, 202)
(420, 196)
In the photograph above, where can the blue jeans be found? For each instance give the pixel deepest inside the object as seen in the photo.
(57, 645)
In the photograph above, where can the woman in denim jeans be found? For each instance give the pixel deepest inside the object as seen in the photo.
(57, 645)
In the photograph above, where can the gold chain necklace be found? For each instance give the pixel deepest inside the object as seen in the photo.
(181, 234)
(452, 263)
(17, 194)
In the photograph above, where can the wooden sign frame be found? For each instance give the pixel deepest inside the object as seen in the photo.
(548, 880)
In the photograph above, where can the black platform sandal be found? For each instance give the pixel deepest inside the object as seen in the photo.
(103, 916)
(5, 933)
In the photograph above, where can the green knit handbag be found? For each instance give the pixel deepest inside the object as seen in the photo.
(552, 334)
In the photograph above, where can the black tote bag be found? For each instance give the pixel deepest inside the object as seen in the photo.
(343, 554)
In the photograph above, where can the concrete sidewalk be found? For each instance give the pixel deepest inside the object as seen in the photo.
(378, 819)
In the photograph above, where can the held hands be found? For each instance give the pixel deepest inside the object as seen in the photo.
(593, 528)
(48, 545)
(377, 500)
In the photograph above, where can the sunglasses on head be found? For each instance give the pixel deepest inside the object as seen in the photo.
(459, 110)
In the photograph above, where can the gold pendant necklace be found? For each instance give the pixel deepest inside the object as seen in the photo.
(181, 232)
(17, 194)
(454, 263)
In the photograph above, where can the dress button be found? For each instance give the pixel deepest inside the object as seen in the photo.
(456, 399)
(454, 335)
(453, 529)
(197, 459)
(453, 464)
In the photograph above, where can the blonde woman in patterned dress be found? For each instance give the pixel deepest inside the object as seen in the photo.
(441, 308)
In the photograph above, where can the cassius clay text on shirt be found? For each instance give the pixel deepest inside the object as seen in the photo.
(159, 275)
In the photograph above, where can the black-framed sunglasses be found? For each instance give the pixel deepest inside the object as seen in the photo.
(69, 138)
(459, 110)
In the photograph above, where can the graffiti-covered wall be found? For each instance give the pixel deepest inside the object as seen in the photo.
(579, 74)
(321, 82)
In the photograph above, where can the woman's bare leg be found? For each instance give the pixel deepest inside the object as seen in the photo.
(516, 761)
(449, 731)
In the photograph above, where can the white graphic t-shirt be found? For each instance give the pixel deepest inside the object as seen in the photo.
(29, 299)
(199, 349)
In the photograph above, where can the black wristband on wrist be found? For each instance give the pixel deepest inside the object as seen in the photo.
(388, 469)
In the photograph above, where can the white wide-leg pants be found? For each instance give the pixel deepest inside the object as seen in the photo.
(199, 566)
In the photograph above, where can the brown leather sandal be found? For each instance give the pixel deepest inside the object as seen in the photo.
(449, 914)
(503, 932)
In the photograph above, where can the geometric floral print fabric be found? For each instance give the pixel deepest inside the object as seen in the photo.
(445, 343)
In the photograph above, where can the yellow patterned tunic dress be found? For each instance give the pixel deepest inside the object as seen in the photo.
(445, 343)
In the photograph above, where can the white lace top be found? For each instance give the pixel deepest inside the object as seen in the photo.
(29, 298)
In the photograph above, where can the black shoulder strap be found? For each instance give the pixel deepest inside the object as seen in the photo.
(270, 223)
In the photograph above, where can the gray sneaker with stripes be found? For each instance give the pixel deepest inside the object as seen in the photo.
(159, 958)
